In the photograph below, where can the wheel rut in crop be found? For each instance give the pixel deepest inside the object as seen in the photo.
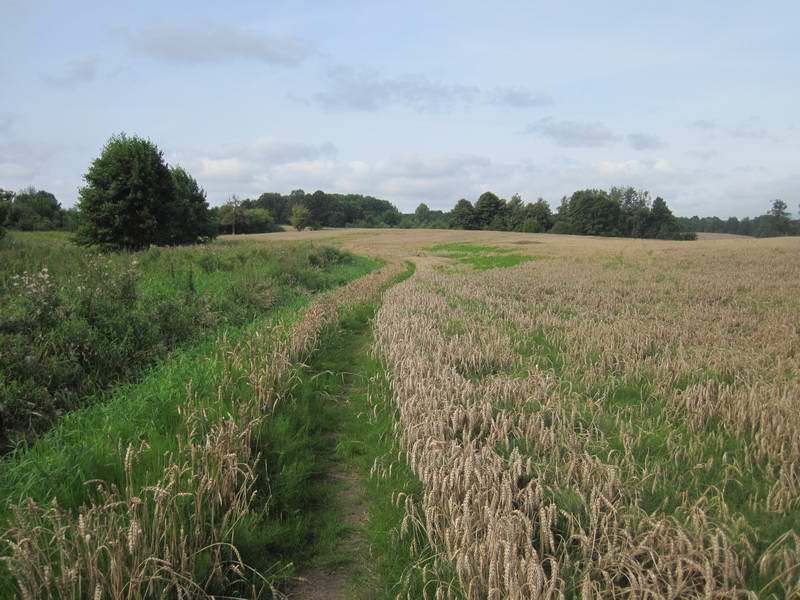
(337, 567)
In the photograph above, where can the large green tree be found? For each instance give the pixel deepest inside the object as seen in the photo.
(277, 205)
(422, 214)
(192, 221)
(780, 217)
(538, 217)
(487, 210)
(592, 212)
(662, 224)
(299, 218)
(635, 210)
(130, 199)
(463, 215)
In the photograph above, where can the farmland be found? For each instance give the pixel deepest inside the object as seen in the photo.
(441, 414)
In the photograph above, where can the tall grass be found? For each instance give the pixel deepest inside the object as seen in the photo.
(186, 482)
(74, 323)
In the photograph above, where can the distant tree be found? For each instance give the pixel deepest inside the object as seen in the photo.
(514, 214)
(732, 225)
(129, 200)
(591, 212)
(192, 221)
(318, 207)
(422, 214)
(4, 208)
(34, 210)
(487, 208)
(258, 220)
(463, 215)
(230, 214)
(779, 209)
(71, 219)
(635, 210)
(780, 217)
(247, 220)
(662, 223)
(300, 216)
(276, 204)
(540, 213)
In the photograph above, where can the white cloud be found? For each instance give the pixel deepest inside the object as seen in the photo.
(632, 168)
(644, 141)
(244, 163)
(574, 134)
(13, 170)
(519, 98)
(222, 168)
(367, 90)
(75, 72)
(704, 124)
(210, 43)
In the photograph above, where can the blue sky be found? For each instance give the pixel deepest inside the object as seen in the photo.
(413, 101)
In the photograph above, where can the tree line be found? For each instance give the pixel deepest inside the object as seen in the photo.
(619, 212)
(776, 221)
(318, 209)
(133, 199)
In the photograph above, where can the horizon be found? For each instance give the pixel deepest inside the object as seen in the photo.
(423, 104)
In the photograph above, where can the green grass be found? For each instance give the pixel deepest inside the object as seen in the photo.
(74, 323)
(467, 248)
(340, 418)
(86, 443)
(89, 444)
(481, 258)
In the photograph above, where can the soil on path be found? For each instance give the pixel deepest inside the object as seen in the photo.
(335, 582)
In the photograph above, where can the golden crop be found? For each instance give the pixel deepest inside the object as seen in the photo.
(616, 425)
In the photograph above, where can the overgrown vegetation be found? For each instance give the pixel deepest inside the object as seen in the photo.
(174, 463)
(73, 323)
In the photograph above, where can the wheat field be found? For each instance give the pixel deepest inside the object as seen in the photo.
(584, 418)
(613, 419)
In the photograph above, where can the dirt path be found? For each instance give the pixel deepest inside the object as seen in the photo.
(336, 569)
(334, 581)
(353, 553)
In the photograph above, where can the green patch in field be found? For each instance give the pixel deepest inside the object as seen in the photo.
(467, 248)
(481, 258)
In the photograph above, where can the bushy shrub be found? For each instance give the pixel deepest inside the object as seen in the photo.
(133, 199)
(105, 318)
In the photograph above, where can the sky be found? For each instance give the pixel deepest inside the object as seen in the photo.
(697, 102)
